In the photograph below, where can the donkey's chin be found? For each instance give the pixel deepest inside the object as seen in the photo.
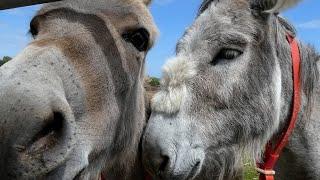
(27, 167)
(187, 166)
(46, 165)
(221, 163)
(195, 171)
(189, 174)
(37, 160)
(75, 167)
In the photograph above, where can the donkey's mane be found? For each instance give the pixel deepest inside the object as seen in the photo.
(309, 57)
(287, 25)
(205, 4)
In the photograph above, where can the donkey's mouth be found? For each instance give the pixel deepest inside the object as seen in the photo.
(82, 173)
(79, 174)
(194, 171)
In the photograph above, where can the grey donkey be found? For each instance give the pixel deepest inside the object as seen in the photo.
(228, 91)
(72, 102)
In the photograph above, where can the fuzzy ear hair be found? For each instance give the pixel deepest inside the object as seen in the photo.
(273, 6)
(147, 2)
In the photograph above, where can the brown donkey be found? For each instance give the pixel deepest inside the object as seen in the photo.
(72, 102)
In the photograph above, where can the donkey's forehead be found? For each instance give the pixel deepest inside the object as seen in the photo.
(225, 12)
(92, 6)
(130, 12)
(222, 23)
(238, 4)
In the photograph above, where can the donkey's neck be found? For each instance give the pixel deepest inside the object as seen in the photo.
(301, 154)
(309, 73)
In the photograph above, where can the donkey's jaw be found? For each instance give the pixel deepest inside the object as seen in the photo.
(75, 167)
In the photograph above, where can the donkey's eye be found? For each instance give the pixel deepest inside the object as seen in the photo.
(139, 38)
(227, 54)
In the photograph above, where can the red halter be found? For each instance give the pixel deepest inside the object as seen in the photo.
(266, 169)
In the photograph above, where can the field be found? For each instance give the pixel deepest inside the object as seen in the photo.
(249, 172)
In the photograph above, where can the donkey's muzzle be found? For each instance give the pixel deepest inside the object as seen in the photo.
(37, 129)
(179, 165)
(172, 160)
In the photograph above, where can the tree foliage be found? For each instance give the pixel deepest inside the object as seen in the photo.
(4, 60)
(154, 81)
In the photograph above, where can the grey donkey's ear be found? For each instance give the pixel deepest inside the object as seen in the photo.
(273, 6)
(147, 2)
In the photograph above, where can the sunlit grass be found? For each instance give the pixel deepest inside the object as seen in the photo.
(249, 172)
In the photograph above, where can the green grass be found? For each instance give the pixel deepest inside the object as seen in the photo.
(249, 172)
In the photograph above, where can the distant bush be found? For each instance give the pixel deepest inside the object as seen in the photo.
(154, 81)
(4, 60)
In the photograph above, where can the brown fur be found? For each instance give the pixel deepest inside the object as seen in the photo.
(82, 69)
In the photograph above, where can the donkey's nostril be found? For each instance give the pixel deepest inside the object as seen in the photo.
(164, 163)
(49, 134)
(54, 125)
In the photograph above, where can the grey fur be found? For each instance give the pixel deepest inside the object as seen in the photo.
(72, 102)
(233, 107)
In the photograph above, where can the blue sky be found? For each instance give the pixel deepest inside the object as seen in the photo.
(172, 18)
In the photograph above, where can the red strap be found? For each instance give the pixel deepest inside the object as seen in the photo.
(272, 155)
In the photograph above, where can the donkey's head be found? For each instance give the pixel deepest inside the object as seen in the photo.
(72, 102)
(222, 93)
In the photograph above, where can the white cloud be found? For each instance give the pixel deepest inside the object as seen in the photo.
(3, 25)
(22, 11)
(15, 12)
(313, 24)
(12, 44)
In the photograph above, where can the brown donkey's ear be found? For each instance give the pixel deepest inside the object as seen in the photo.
(147, 2)
(272, 6)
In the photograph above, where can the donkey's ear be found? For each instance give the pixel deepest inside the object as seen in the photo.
(147, 2)
(273, 6)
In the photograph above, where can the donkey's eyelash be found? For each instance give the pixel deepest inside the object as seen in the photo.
(225, 55)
